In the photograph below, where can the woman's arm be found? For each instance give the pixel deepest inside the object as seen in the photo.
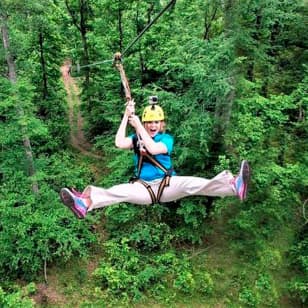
(153, 147)
(121, 140)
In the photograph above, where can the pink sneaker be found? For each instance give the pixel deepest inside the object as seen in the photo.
(241, 181)
(75, 203)
(78, 193)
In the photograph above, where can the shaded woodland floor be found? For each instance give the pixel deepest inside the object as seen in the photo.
(77, 137)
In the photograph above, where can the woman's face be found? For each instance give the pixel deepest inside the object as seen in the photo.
(153, 127)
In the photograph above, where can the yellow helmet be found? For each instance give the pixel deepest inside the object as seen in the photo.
(153, 113)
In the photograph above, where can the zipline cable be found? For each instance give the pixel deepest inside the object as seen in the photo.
(136, 39)
(148, 26)
(92, 64)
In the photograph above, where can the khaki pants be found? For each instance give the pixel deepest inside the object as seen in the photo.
(180, 186)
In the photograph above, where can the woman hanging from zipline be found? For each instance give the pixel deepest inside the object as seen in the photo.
(155, 180)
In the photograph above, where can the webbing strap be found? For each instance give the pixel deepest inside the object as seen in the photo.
(155, 162)
(149, 188)
(165, 181)
(140, 159)
(152, 160)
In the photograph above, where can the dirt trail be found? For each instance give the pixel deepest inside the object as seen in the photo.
(77, 138)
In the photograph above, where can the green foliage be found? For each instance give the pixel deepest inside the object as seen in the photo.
(150, 234)
(120, 168)
(38, 229)
(247, 297)
(192, 228)
(205, 283)
(265, 130)
(18, 110)
(262, 292)
(32, 235)
(17, 298)
(299, 256)
(231, 79)
(125, 273)
(299, 289)
(150, 237)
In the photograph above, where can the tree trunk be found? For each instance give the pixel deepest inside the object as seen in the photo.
(86, 59)
(228, 104)
(208, 20)
(43, 64)
(82, 27)
(20, 111)
(144, 72)
(120, 26)
(223, 107)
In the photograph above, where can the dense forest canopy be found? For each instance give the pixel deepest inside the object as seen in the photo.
(232, 79)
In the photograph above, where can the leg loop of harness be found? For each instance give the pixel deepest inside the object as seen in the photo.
(164, 183)
(148, 187)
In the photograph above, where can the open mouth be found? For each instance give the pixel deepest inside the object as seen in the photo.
(153, 132)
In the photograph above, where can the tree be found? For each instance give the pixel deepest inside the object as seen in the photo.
(80, 12)
(20, 111)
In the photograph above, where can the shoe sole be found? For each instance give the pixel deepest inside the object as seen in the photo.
(68, 200)
(245, 174)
